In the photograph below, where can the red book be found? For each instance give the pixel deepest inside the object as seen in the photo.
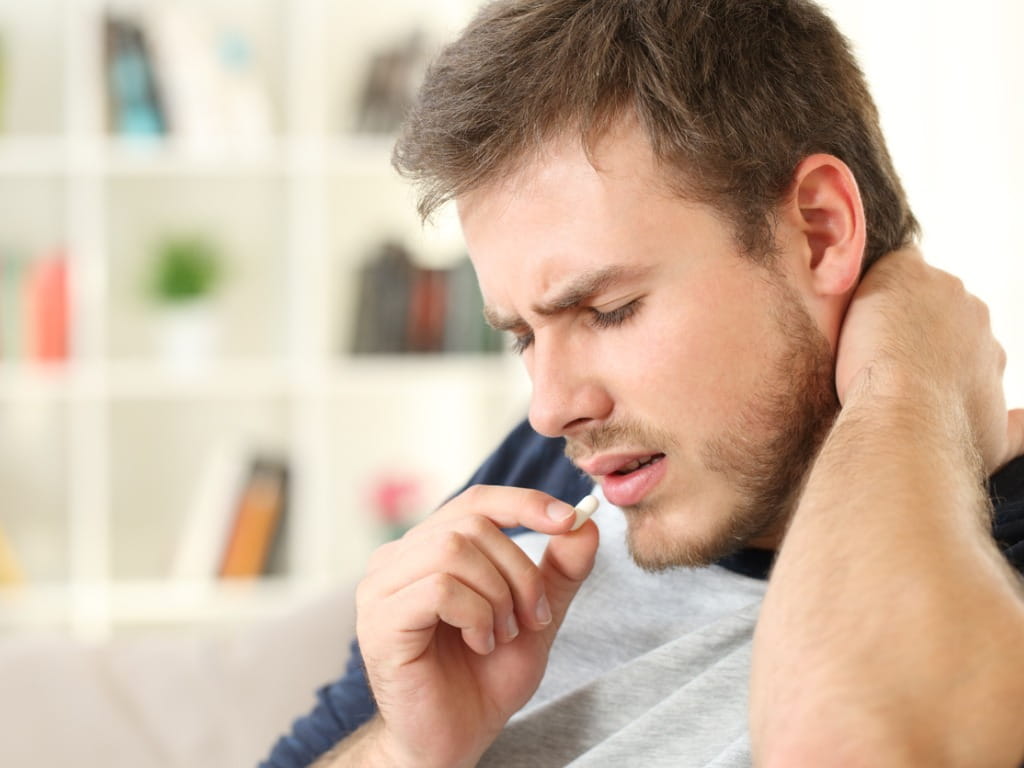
(47, 309)
(427, 309)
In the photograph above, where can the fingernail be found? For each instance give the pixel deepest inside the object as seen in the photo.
(543, 610)
(560, 512)
(511, 627)
(490, 642)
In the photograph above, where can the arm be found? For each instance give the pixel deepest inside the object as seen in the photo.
(892, 630)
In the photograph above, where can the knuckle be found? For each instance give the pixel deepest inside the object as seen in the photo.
(476, 526)
(529, 581)
(472, 495)
(503, 602)
(364, 595)
(982, 309)
(381, 556)
(441, 587)
(453, 544)
(537, 502)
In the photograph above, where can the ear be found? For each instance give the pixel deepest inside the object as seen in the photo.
(827, 214)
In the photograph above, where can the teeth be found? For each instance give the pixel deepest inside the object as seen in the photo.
(634, 465)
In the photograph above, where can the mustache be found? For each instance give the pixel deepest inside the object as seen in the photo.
(622, 435)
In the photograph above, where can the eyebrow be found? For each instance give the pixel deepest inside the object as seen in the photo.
(574, 293)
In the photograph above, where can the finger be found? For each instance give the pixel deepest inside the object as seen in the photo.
(567, 562)
(518, 571)
(397, 564)
(508, 508)
(461, 556)
(411, 616)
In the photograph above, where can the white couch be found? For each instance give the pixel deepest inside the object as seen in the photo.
(210, 699)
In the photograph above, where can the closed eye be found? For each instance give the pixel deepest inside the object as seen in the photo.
(616, 316)
(521, 342)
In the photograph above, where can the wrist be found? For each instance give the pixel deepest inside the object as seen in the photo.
(383, 749)
(368, 745)
(893, 421)
(898, 399)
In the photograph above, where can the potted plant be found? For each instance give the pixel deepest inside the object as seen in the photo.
(186, 273)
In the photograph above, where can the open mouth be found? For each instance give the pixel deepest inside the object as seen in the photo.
(638, 464)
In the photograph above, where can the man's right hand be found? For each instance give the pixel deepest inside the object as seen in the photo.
(455, 622)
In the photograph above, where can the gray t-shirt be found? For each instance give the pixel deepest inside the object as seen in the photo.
(648, 669)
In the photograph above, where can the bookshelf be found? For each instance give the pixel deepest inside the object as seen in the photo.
(101, 453)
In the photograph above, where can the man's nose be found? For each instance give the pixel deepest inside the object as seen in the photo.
(568, 390)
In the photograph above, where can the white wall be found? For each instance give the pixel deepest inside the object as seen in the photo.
(948, 78)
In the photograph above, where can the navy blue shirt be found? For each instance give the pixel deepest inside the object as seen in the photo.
(525, 459)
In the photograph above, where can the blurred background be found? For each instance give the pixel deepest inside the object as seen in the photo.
(231, 360)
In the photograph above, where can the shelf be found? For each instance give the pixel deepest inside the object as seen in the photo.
(350, 155)
(33, 156)
(253, 379)
(164, 158)
(245, 379)
(141, 380)
(35, 607)
(34, 381)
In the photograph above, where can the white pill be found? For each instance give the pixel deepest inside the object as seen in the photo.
(586, 507)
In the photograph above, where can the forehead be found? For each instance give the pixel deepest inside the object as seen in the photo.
(568, 212)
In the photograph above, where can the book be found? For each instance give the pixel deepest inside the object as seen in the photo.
(258, 516)
(426, 312)
(402, 307)
(382, 306)
(465, 330)
(211, 512)
(12, 305)
(215, 97)
(133, 92)
(46, 305)
(389, 86)
(11, 572)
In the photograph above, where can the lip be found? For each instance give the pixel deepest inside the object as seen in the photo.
(625, 490)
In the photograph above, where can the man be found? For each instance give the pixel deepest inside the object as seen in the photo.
(681, 209)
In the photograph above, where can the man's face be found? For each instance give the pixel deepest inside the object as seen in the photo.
(688, 381)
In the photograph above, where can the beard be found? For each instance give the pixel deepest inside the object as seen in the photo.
(765, 452)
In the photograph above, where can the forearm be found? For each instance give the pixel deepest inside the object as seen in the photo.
(363, 747)
(891, 621)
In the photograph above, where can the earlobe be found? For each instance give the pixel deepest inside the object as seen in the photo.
(829, 216)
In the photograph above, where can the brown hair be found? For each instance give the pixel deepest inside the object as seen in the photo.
(732, 95)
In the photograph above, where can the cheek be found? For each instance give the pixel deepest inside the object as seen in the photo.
(697, 361)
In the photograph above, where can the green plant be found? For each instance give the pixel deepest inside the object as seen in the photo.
(185, 268)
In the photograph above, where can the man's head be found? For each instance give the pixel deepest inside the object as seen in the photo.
(669, 203)
(731, 94)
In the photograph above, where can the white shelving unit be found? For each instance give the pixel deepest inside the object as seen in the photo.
(99, 456)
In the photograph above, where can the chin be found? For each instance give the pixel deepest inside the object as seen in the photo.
(658, 540)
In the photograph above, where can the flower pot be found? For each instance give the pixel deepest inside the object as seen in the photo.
(187, 335)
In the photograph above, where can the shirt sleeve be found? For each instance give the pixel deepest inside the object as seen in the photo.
(1007, 492)
(524, 459)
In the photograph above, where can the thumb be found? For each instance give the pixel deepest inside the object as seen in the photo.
(567, 562)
